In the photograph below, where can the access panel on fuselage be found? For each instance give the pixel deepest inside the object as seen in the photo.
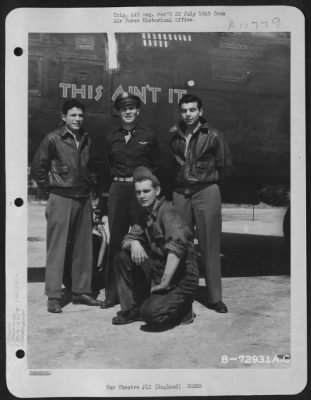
(146, 68)
(244, 82)
(61, 67)
(86, 81)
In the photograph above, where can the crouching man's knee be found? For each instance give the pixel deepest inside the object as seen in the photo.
(122, 260)
(122, 256)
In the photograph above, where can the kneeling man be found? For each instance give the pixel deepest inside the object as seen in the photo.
(156, 270)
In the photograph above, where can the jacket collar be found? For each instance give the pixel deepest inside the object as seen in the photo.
(178, 128)
(64, 132)
(133, 131)
(154, 212)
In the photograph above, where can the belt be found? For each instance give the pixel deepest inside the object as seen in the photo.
(121, 179)
(196, 187)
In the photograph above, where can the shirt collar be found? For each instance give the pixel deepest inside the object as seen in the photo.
(196, 129)
(131, 131)
(65, 131)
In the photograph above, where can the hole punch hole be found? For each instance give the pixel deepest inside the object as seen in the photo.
(20, 354)
(18, 202)
(18, 51)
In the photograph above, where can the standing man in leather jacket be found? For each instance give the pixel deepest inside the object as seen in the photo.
(61, 170)
(199, 154)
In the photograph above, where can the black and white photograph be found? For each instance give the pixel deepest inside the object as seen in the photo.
(158, 201)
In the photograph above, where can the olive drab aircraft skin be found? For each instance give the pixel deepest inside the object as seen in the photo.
(242, 78)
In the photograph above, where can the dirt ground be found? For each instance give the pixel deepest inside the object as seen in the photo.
(254, 334)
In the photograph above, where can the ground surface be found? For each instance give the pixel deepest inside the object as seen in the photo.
(256, 288)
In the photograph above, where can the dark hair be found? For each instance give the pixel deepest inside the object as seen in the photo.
(69, 104)
(190, 98)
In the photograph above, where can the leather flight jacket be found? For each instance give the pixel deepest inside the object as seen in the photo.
(205, 158)
(60, 168)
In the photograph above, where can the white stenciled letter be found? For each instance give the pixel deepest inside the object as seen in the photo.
(75, 91)
(65, 87)
(154, 93)
(99, 92)
(119, 90)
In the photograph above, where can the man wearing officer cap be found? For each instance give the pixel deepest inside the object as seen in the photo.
(129, 146)
(156, 270)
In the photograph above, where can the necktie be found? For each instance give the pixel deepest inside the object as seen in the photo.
(127, 135)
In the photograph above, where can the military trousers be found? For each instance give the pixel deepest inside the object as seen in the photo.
(202, 213)
(69, 245)
(123, 212)
(134, 283)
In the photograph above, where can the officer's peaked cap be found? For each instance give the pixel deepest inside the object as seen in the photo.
(126, 98)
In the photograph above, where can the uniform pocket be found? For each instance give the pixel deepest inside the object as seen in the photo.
(60, 174)
(202, 164)
(60, 169)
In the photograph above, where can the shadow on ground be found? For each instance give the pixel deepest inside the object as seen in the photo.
(253, 255)
(242, 255)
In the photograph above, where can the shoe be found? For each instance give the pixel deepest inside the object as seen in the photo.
(66, 297)
(85, 299)
(188, 318)
(54, 306)
(127, 317)
(107, 304)
(219, 307)
(95, 293)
